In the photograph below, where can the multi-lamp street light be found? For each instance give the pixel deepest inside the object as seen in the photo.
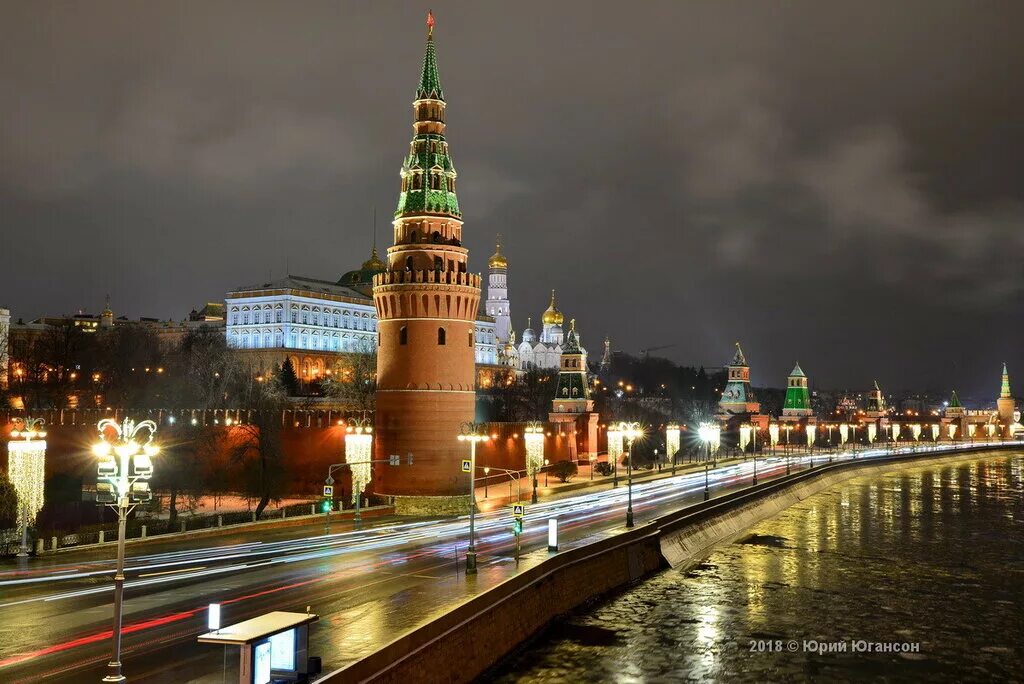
(125, 451)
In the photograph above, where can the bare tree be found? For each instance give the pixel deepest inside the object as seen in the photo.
(355, 385)
(256, 442)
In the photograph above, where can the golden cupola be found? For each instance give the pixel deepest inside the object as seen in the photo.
(552, 316)
(497, 259)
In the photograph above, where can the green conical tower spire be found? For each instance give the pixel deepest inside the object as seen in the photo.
(954, 401)
(1004, 391)
(428, 173)
(430, 83)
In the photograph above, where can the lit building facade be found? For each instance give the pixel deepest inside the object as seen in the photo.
(543, 351)
(317, 323)
(498, 306)
(5, 340)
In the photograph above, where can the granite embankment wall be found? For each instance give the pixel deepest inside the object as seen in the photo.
(464, 642)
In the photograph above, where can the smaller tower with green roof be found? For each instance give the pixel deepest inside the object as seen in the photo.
(954, 409)
(1005, 404)
(798, 398)
(572, 402)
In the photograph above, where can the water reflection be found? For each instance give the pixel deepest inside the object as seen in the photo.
(933, 556)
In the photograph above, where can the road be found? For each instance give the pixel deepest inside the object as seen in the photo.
(369, 585)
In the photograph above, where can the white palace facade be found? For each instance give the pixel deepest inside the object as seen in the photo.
(317, 323)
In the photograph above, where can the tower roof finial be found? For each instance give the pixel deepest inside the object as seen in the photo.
(430, 83)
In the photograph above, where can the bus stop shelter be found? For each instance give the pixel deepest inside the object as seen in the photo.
(272, 647)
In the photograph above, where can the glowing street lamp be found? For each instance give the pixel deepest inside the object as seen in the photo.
(534, 437)
(708, 434)
(631, 431)
(125, 451)
(26, 461)
(472, 433)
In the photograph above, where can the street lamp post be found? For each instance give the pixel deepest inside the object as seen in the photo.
(546, 463)
(472, 433)
(487, 472)
(125, 451)
(708, 434)
(631, 431)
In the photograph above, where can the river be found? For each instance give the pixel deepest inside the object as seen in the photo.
(914, 575)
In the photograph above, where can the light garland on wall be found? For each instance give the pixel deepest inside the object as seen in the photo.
(534, 437)
(812, 431)
(773, 434)
(951, 429)
(358, 455)
(745, 431)
(671, 440)
(26, 468)
(614, 444)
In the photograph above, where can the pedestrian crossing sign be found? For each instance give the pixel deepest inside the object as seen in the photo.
(467, 465)
(328, 491)
(519, 510)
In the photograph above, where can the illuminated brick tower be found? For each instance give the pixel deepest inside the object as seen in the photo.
(1005, 404)
(737, 399)
(426, 303)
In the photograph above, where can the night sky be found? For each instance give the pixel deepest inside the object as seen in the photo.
(835, 183)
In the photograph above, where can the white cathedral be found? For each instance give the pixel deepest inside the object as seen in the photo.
(544, 352)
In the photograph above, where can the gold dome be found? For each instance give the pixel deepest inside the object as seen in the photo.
(497, 259)
(552, 316)
(374, 263)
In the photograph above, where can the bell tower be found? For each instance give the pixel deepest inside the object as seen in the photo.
(427, 304)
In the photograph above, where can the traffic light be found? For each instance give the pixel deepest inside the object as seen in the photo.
(325, 506)
(517, 527)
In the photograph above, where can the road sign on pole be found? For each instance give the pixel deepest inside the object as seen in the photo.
(519, 510)
(328, 491)
(467, 465)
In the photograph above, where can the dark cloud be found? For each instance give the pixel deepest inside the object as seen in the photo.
(838, 183)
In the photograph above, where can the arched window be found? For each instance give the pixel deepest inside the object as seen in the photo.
(441, 336)
(436, 237)
(403, 335)
(408, 263)
(412, 236)
(438, 263)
